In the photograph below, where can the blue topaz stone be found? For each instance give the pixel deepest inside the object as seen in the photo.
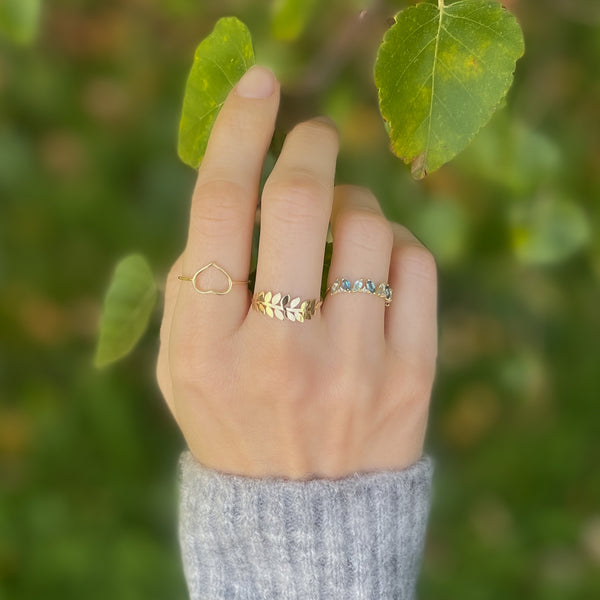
(346, 285)
(370, 286)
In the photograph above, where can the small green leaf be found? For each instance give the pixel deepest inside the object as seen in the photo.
(19, 19)
(290, 18)
(219, 63)
(127, 308)
(441, 71)
(548, 230)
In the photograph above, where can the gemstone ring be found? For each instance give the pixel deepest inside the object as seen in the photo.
(363, 285)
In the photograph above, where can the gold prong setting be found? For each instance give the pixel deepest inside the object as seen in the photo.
(363, 285)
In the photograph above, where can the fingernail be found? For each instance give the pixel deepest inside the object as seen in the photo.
(257, 82)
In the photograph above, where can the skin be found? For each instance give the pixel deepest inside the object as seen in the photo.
(347, 391)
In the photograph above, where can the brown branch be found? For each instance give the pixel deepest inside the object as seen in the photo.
(336, 53)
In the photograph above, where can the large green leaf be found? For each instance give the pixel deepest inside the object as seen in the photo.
(219, 63)
(290, 18)
(19, 19)
(441, 71)
(128, 304)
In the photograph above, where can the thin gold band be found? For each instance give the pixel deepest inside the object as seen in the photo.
(226, 290)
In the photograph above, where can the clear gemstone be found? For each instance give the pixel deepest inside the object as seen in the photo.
(335, 286)
(381, 289)
(358, 285)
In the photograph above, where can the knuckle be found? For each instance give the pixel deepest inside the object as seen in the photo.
(218, 207)
(323, 129)
(366, 227)
(193, 371)
(237, 121)
(354, 389)
(412, 373)
(297, 197)
(283, 381)
(417, 378)
(351, 378)
(418, 262)
(181, 356)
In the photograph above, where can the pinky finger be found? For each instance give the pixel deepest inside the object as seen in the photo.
(411, 323)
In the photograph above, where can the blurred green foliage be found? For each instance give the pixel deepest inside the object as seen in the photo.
(89, 172)
(19, 20)
(128, 306)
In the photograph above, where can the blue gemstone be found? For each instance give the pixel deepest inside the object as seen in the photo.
(370, 286)
(358, 285)
(388, 292)
(346, 285)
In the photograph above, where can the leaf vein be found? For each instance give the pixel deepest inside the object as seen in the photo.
(412, 62)
(214, 62)
(216, 107)
(478, 23)
(435, 57)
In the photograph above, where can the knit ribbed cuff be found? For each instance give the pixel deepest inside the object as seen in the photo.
(360, 537)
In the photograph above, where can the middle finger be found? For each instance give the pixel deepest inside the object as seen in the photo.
(295, 211)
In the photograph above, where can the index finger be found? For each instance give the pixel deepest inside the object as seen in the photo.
(225, 197)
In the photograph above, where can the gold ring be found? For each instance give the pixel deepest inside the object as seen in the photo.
(278, 306)
(364, 286)
(194, 277)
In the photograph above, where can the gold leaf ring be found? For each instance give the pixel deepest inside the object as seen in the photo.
(211, 265)
(278, 306)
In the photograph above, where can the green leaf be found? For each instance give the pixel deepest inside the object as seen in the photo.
(19, 20)
(290, 18)
(127, 308)
(548, 230)
(219, 63)
(441, 71)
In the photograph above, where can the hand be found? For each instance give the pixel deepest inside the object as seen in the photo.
(347, 391)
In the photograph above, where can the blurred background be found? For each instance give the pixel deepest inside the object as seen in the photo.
(89, 110)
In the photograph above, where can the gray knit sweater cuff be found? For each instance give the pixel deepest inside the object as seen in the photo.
(360, 537)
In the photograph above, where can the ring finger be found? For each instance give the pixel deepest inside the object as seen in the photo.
(362, 247)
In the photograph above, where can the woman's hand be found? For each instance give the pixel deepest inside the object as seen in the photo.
(346, 391)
